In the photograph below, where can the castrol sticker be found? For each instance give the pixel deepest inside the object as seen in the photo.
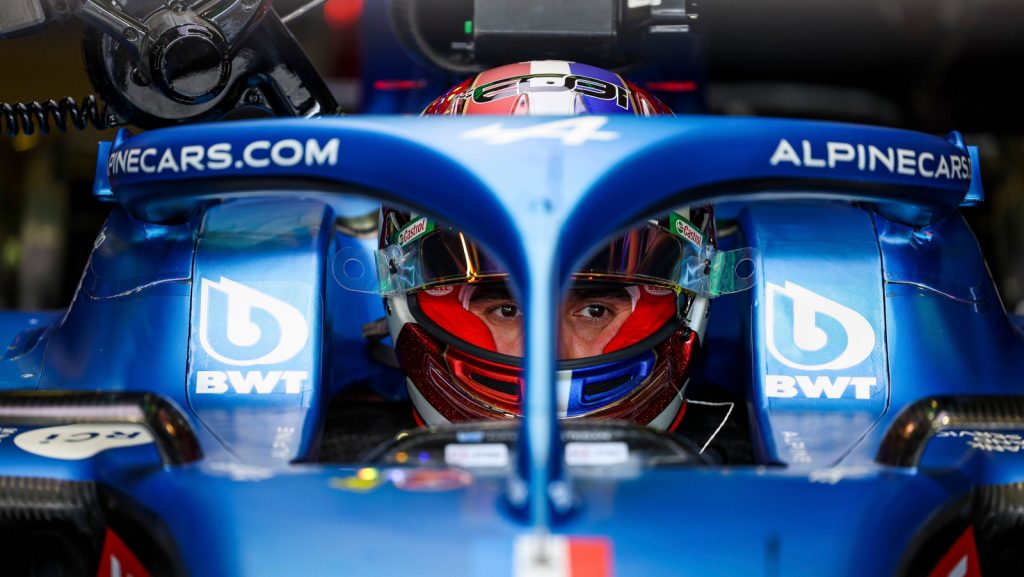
(414, 230)
(687, 230)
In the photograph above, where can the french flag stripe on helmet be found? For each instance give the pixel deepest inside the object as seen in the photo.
(547, 94)
(501, 73)
(550, 102)
(597, 105)
(561, 556)
(494, 75)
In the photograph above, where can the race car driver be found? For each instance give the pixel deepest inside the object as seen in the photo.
(629, 328)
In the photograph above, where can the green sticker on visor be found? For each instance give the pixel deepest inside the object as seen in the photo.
(681, 226)
(714, 273)
(413, 230)
(734, 271)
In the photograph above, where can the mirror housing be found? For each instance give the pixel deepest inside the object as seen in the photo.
(21, 17)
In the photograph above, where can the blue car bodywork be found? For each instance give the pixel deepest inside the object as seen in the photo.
(880, 370)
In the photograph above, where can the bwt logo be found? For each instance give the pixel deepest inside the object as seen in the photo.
(808, 332)
(243, 327)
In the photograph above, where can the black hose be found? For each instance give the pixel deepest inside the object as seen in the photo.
(27, 117)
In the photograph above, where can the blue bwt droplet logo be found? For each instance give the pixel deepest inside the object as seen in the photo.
(809, 332)
(241, 326)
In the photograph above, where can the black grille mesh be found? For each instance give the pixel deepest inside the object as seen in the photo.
(601, 387)
(503, 387)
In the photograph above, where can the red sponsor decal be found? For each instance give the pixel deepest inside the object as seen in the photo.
(431, 480)
(961, 560)
(689, 232)
(590, 557)
(117, 559)
(562, 556)
(412, 230)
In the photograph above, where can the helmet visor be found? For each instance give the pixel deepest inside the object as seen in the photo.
(423, 256)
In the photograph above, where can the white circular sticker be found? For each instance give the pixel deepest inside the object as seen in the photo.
(76, 442)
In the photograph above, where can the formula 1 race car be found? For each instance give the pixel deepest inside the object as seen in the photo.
(217, 399)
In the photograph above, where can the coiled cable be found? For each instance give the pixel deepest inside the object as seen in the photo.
(27, 117)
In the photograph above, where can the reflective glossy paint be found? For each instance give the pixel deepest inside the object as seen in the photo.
(213, 274)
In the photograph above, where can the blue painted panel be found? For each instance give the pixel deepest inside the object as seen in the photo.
(136, 342)
(993, 457)
(128, 326)
(255, 349)
(938, 345)
(820, 372)
(654, 527)
(76, 452)
(346, 313)
(528, 177)
(23, 337)
(129, 255)
(533, 174)
(943, 258)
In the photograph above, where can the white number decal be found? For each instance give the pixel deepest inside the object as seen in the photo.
(571, 131)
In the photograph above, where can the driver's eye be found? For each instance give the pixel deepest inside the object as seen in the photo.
(594, 311)
(507, 311)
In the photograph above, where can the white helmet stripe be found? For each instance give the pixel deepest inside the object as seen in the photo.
(664, 420)
(557, 101)
(427, 412)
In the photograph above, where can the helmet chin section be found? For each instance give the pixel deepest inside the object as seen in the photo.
(669, 419)
(423, 360)
(425, 410)
(450, 385)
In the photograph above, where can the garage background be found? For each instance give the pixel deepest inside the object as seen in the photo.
(927, 65)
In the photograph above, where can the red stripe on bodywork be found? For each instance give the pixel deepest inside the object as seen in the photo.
(961, 560)
(117, 560)
(590, 557)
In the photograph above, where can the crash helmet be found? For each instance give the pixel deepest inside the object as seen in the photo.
(547, 88)
(633, 318)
